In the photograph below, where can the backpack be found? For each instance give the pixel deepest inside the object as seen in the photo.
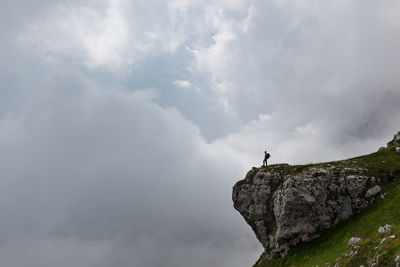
(267, 156)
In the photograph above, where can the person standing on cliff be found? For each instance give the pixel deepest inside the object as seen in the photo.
(266, 156)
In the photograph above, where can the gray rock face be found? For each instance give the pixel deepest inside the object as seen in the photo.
(373, 191)
(284, 210)
(385, 229)
(354, 240)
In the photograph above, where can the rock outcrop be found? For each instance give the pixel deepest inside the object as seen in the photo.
(385, 229)
(395, 141)
(284, 208)
(287, 205)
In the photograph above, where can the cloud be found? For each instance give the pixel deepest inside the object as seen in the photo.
(265, 117)
(99, 170)
(185, 85)
(93, 171)
(109, 35)
(301, 63)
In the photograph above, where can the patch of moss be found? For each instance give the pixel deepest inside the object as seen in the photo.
(275, 185)
(332, 195)
(344, 192)
(270, 226)
(248, 179)
(242, 182)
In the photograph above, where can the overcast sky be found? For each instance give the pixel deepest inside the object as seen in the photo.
(124, 124)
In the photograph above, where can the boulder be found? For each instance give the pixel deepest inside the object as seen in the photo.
(354, 240)
(373, 191)
(384, 229)
(397, 259)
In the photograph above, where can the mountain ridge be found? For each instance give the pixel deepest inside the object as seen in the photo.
(289, 205)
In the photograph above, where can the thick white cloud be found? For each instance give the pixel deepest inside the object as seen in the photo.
(93, 171)
(106, 161)
(324, 69)
(110, 35)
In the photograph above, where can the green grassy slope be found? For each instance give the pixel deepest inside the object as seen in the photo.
(332, 245)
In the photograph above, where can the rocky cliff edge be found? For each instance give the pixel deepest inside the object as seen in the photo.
(286, 205)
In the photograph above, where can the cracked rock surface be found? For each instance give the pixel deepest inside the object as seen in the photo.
(286, 208)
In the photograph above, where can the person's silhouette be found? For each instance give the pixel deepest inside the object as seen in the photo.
(266, 156)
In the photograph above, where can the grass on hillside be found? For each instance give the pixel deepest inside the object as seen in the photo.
(333, 243)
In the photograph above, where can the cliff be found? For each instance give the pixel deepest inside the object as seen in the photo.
(288, 205)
